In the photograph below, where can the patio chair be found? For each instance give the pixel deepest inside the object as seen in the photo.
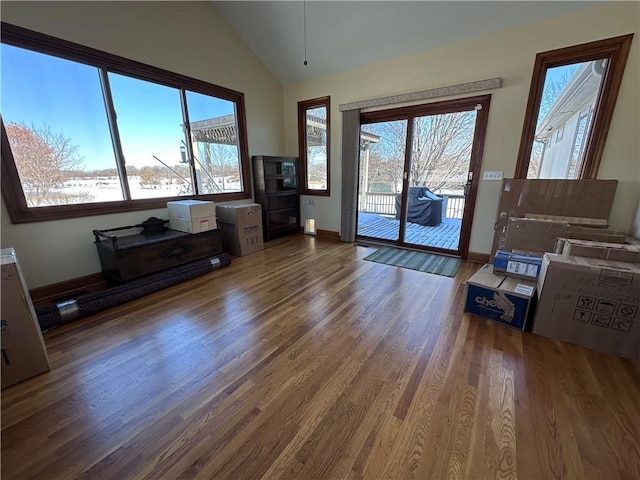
(424, 207)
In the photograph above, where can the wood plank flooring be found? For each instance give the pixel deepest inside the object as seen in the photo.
(305, 362)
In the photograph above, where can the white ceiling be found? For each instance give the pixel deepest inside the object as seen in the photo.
(345, 34)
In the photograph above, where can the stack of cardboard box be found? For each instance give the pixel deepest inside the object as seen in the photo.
(588, 278)
(23, 351)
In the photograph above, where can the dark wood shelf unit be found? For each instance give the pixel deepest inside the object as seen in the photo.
(276, 187)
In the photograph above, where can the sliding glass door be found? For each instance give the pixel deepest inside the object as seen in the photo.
(417, 181)
(382, 151)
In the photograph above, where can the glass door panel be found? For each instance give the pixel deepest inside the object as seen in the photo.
(439, 168)
(382, 158)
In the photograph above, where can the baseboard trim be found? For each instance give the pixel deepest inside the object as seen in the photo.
(478, 257)
(328, 234)
(49, 293)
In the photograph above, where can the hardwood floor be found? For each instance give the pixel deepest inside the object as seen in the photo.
(302, 362)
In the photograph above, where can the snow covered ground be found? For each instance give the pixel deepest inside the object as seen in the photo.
(108, 189)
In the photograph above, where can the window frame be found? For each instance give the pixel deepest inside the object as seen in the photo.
(616, 51)
(303, 106)
(12, 192)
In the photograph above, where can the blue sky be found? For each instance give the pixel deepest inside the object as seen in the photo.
(42, 90)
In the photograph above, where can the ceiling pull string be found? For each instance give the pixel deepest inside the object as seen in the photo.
(304, 3)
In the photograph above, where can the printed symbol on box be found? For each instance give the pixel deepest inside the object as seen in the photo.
(623, 324)
(605, 306)
(627, 311)
(586, 302)
(601, 320)
(582, 316)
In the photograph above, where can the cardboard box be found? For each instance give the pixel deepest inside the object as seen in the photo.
(595, 234)
(634, 232)
(241, 227)
(590, 302)
(536, 227)
(602, 250)
(519, 265)
(194, 225)
(531, 235)
(577, 221)
(191, 209)
(23, 352)
(504, 299)
(564, 198)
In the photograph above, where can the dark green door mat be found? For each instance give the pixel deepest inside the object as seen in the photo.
(421, 261)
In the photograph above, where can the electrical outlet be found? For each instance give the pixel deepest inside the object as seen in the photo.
(492, 175)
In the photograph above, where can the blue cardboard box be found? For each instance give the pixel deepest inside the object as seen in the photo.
(504, 299)
(521, 265)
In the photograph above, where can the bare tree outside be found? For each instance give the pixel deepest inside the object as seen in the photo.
(317, 148)
(440, 151)
(218, 167)
(317, 166)
(386, 163)
(44, 159)
(149, 177)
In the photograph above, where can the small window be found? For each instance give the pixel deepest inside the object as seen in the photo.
(314, 145)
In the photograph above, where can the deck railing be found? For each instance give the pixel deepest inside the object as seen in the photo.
(385, 204)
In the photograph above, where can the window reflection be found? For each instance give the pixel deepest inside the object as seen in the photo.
(568, 100)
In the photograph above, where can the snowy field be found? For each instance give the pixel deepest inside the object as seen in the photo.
(108, 190)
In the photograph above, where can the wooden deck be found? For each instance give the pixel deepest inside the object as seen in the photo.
(445, 235)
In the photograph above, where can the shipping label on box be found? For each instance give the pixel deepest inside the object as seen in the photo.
(194, 225)
(590, 302)
(517, 265)
(191, 209)
(503, 299)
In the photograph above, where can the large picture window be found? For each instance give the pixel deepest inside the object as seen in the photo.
(87, 133)
(314, 145)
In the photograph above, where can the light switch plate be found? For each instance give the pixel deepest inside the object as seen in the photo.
(492, 175)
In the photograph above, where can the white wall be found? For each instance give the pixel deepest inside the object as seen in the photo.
(190, 38)
(509, 55)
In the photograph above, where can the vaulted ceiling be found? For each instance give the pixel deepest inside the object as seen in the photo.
(344, 34)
